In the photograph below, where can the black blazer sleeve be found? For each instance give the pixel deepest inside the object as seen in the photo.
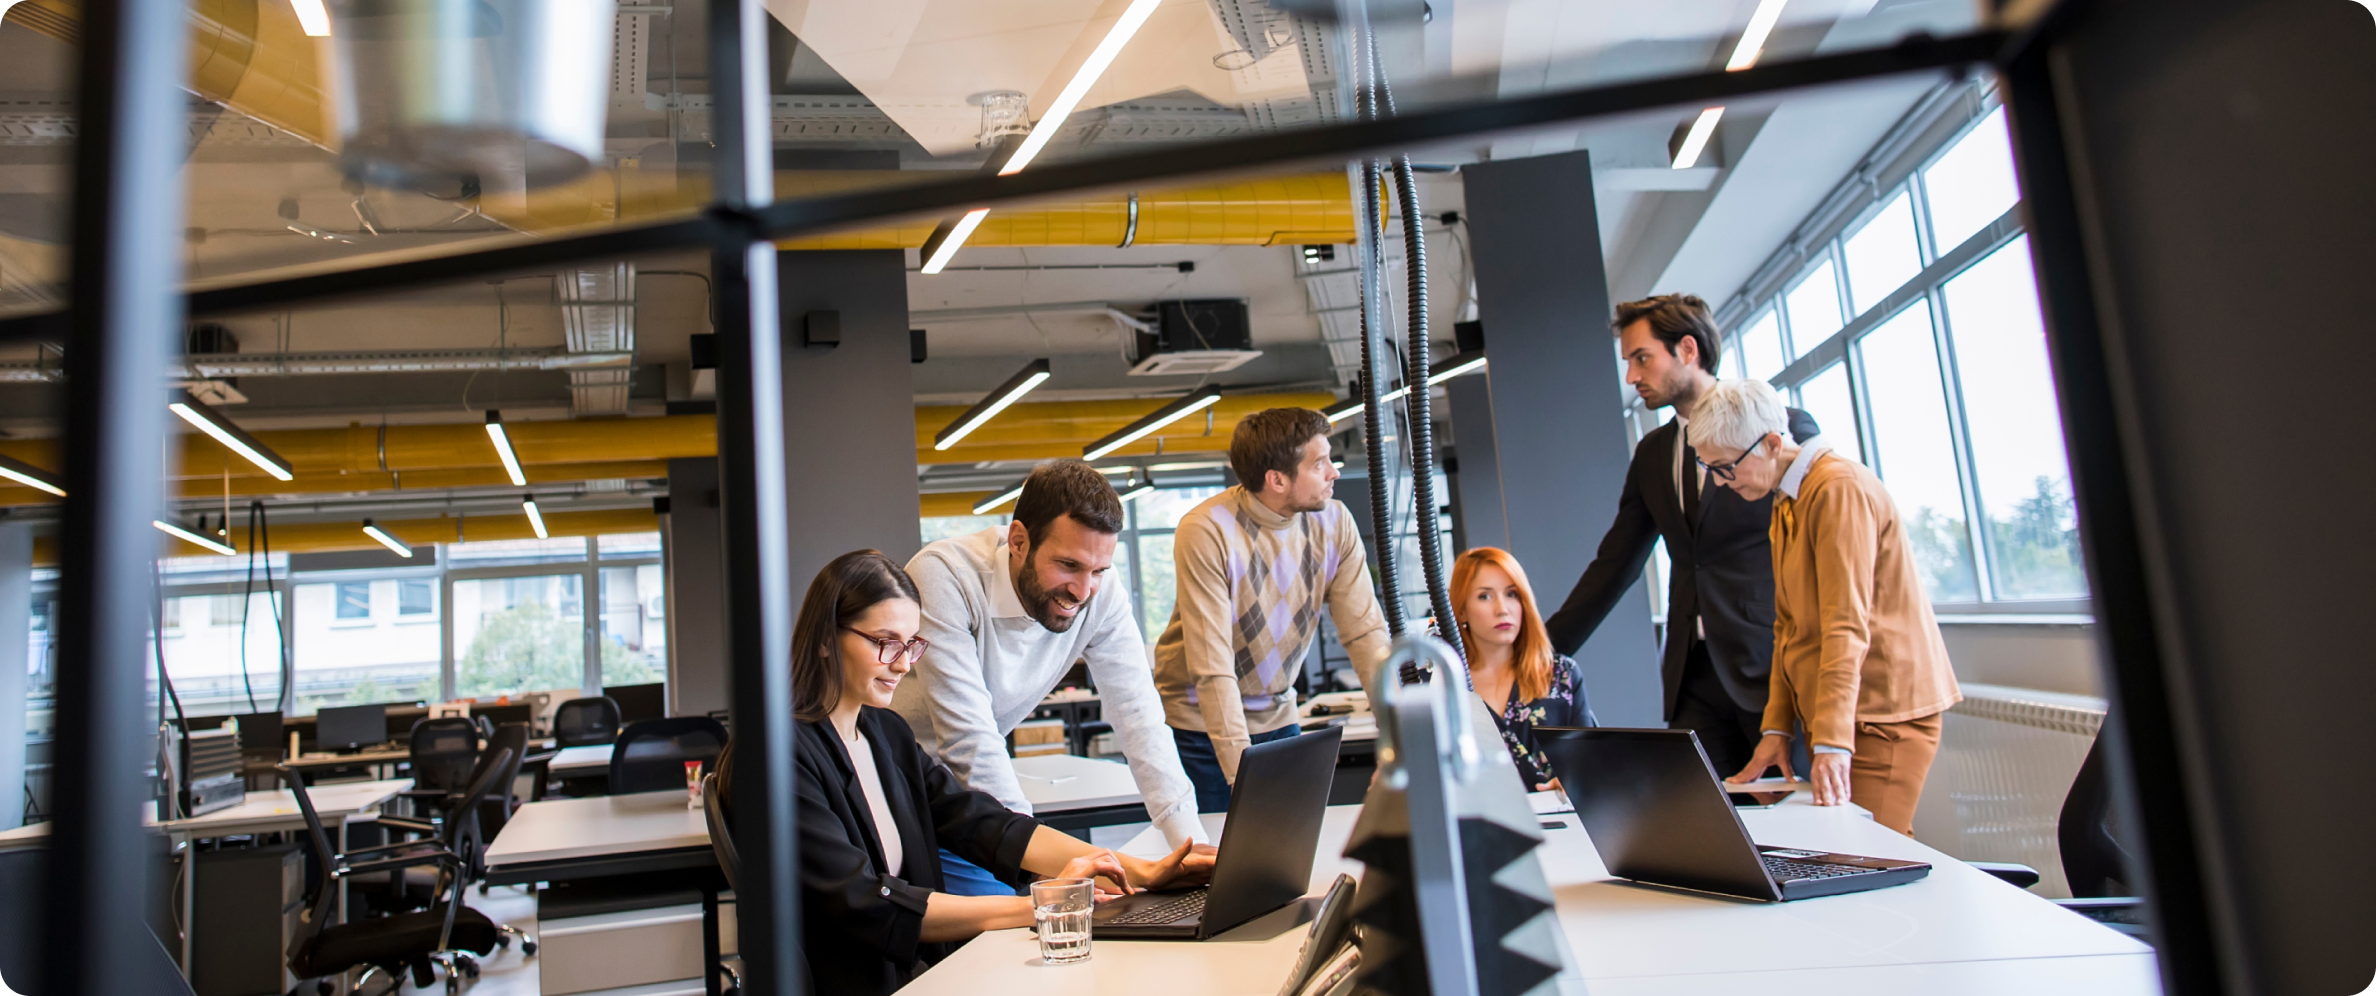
(972, 825)
(1802, 426)
(1623, 551)
(844, 895)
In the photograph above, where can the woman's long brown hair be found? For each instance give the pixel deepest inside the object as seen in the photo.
(853, 583)
(1532, 656)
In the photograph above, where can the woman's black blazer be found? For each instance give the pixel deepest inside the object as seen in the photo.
(860, 921)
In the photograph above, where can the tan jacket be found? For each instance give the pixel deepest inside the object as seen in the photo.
(1854, 638)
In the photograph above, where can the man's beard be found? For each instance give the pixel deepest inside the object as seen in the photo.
(1314, 505)
(1039, 603)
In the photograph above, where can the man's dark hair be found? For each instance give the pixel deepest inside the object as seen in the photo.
(1673, 318)
(1067, 487)
(1272, 439)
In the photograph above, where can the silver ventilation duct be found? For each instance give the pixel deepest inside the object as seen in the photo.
(459, 95)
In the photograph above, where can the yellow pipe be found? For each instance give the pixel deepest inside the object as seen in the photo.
(953, 503)
(1047, 430)
(249, 55)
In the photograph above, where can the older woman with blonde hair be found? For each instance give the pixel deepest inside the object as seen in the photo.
(1857, 653)
(1523, 681)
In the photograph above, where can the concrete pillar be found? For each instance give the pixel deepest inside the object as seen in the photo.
(849, 408)
(1476, 487)
(690, 535)
(16, 618)
(1559, 449)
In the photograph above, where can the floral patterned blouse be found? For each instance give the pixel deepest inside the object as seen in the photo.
(1565, 704)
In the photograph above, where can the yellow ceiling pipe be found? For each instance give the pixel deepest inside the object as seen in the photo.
(952, 503)
(323, 537)
(249, 55)
(1050, 429)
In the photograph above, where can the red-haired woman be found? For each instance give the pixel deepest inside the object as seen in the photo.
(1524, 681)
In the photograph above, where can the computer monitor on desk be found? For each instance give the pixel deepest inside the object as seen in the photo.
(639, 702)
(347, 728)
(260, 736)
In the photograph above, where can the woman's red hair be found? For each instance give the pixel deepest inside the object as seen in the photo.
(1531, 658)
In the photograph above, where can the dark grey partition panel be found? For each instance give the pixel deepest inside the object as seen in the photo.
(2197, 175)
(849, 409)
(696, 597)
(1560, 448)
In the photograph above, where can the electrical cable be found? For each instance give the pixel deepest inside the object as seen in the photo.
(280, 628)
(1422, 426)
(1372, 387)
(247, 604)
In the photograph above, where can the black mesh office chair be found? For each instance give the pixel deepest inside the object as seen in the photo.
(650, 756)
(444, 753)
(713, 814)
(586, 722)
(445, 934)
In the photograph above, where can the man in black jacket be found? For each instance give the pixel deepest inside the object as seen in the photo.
(1720, 600)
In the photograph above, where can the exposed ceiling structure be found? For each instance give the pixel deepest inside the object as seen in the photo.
(874, 93)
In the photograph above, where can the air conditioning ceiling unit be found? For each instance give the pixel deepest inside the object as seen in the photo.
(1193, 337)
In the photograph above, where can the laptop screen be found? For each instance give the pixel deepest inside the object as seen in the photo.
(1654, 810)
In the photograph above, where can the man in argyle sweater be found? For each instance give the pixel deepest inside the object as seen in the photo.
(1254, 564)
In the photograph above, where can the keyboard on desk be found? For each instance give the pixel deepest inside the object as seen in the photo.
(1185, 906)
(1787, 870)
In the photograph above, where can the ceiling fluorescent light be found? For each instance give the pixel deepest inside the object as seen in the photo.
(1134, 491)
(1145, 427)
(1753, 37)
(212, 422)
(1001, 498)
(1457, 365)
(503, 448)
(30, 476)
(387, 540)
(535, 516)
(1032, 374)
(1070, 97)
(313, 17)
(193, 537)
(1696, 140)
(937, 253)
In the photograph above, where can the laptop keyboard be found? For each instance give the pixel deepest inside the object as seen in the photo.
(1170, 910)
(1786, 870)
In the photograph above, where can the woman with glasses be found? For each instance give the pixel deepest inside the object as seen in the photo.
(1857, 654)
(1525, 682)
(875, 808)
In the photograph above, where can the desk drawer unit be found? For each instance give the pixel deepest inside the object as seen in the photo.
(603, 951)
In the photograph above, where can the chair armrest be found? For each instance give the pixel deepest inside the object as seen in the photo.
(2125, 914)
(2019, 876)
(439, 856)
(406, 823)
(415, 845)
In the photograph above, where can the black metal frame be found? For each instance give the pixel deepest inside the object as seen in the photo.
(125, 320)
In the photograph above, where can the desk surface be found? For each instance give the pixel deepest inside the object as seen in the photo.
(581, 760)
(1057, 783)
(260, 812)
(1958, 931)
(560, 829)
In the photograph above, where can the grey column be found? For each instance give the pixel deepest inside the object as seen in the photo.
(1558, 441)
(1476, 489)
(16, 618)
(696, 589)
(849, 409)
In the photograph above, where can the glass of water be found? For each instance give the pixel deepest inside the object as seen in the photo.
(1060, 909)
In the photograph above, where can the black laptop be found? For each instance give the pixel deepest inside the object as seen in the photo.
(1656, 813)
(1266, 855)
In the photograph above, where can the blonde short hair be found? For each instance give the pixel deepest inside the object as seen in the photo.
(1735, 414)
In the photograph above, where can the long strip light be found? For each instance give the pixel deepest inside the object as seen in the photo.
(535, 515)
(503, 448)
(938, 253)
(1744, 55)
(1145, 427)
(386, 540)
(1032, 374)
(1132, 492)
(1068, 100)
(1443, 370)
(995, 501)
(212, 422)
(30, 476)
(193, 537)
(313, 17)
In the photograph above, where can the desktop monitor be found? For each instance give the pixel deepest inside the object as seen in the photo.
(639, 702)
(349, 727)
(511, 712)
(260, 735)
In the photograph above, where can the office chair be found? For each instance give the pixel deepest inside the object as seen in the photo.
(486, 726)
(713, 815)
(444, 753)
(650, 755)
(447, 933)
(2094, 860)
(586, 722)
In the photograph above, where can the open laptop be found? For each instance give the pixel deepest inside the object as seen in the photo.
(1266, 856)
(1655, 811)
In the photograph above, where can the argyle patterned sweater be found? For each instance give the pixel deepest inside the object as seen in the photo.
(1251, 585)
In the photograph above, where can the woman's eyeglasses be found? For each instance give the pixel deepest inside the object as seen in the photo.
(1725, 472)
(891, 651)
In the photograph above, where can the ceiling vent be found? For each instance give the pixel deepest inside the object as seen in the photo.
(1192, 338)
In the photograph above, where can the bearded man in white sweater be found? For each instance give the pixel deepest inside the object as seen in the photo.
(1008, 610)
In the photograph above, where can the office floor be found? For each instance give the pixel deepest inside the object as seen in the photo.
(509, 973)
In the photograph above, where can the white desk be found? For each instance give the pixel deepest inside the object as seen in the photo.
(561, 830)
(587, 760)
(1958, 931)
(1057, 783)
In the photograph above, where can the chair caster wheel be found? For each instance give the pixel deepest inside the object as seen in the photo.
(469, 966)
(528, 947)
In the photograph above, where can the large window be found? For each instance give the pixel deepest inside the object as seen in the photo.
(1947, 394)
